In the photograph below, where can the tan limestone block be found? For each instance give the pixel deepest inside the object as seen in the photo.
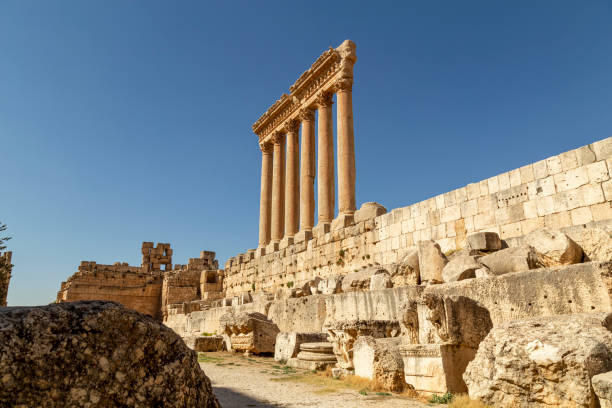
(585, 155)
(591, 194)
(607, 189)
(515, 177)
(469, 208)
(545, 205)
(487, 204)
(601, 211)
(527, 175)
(530, 209)
(434, 217)
(598, 172)
(450, 213)
(532, 224)
(540, 170)
(504, 181)
(568, 160)
(541, 188)
(581, 215)
(510, 214)
(473, 191)
(511, 230)
(407, 226)
(450, 229)
(602, 149)
(449, 198)
(421, 222)
(460, 195)
(554, 165)
(440, 201)
(483, 186)
(571, 179)
(469, 224)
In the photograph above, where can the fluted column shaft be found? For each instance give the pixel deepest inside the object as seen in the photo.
(307, 170)
(278, 188)
(346, 147)
(292, 185)
(265, 201)
(326, 185)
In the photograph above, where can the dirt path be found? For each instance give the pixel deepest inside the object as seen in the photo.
(241, 382)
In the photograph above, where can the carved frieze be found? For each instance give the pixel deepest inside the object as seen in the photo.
(307, 114)
(278, 138)
(292, 126)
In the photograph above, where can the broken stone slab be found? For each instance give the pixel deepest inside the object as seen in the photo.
(380, 360)
(406, 271)
(288, 344)
(381, 281)
(331, 285)
(602, 385)
(460, 268)
(208, 343)
(250, 332)
(369, 211)
(484, 241)
(96, 353)
(597, 244)
(343, 334)
(542, 362)
(360, 280)
(510, 260)
(555, 248)
(431, 262)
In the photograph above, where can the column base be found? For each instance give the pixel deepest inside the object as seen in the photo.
(272, 247)
(321, 229)
(343, 221)
(303, 235)
(285, 242)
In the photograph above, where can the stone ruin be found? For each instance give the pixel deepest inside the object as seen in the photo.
(418, 297)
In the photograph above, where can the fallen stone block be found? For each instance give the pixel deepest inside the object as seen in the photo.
(554, 247)
(597, 244)
(250, 332)
(96, 353)
(331, 285)
(288, 344)
(431, 262)
(511, 260)
(380, 360)
(542, 362)
(460, 268)
(602, 385)
(381, 281)
(484, 241)
(208, 343)
(406, 271)
(360, 280)
(369, 211)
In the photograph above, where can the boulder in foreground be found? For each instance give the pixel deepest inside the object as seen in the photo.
(542, 362)
(96, 353)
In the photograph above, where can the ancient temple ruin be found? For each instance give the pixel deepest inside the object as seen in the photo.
(413, 297)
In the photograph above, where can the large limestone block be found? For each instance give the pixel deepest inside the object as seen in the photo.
(250, 332)
(369, 211)
(96, 353)
(381, 281)
(542, 362)
(288, 344)
(331, 285)
(597, 244)
(208, 343)
(602, 385)
(431, 262)
(511, 260)
(460, 268)
(484, 241)
(406, 271)
(554, 247)
(360, 280)
(380, 360)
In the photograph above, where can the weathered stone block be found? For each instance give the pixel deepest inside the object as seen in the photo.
(460, 268)
(511, 260)
(288, 344)
(602, 386)
(431, 262)
(484, 241)
(380, 360)
(555, 248)
(250, 332)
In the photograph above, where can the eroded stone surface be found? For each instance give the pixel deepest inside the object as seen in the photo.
(431, 262)
(95, 353)
(602, 385)
(460, 268)
(381, 361)
(511, 260)
(250, 332)
(554, 247)
(541, 362)
(288, 344)
(484, 241)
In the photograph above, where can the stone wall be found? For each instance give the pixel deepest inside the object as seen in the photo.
(507, 297)
(571, 189)
(6, 268)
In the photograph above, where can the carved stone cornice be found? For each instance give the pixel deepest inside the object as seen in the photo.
(333, 63)
(292, 126)
(266, 147)
(278, 138)
(307, 114)
(343, 85)
(324, 99)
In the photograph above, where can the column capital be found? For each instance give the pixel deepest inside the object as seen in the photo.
(343, 85)
(324, 99)
(292, 126)
(278, 138)
(307, 114)
(266, 147)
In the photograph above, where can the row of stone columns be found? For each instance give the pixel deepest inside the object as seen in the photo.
(287, 192)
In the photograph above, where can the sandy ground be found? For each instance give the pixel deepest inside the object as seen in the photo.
(241, 382)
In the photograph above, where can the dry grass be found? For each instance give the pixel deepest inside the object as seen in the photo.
(463, 401)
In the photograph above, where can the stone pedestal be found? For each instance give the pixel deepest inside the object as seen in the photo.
(314, 356)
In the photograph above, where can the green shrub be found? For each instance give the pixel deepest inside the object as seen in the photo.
(441, 399)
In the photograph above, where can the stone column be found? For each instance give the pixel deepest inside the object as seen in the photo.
(307, 171)
(292, 186)
(326, 186)
(278, 188)
(265, 201)
(346, 147)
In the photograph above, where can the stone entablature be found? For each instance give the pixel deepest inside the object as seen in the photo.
(573, 188)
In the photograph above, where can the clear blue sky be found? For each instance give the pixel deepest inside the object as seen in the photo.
(130, 121)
